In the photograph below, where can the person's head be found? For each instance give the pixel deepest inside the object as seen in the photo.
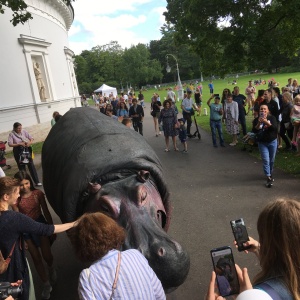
(263, 110)
(295, 83)
(181, 121)
(225, 93)
(278, 228)
(17, 127)
(287, 97)
(57, 117)
(25, 181)
(229, 98)
(297, 100)
(127, 122)
(134, 102)
(250, 82)
(123, 105)
(109, 112)
(276, 90)
(189, 93)
(236, 90)
(55, 114)
(95, 235)
(217, 99)
(285, 89)
(260, 93)
(290, 81)
(108, 106)
(167, 104)
(268, 95)
(9, 190)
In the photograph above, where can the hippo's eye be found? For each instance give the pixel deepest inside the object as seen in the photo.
(143, 195)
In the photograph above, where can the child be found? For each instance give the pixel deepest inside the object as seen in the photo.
(127, 122)
(295, 118)
(32, 203)
(182, 134)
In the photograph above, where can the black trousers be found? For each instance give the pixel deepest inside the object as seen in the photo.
(22, 167)
(285, 133)
(138, 126)
(188, 119)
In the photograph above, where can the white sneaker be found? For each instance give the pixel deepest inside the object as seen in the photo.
(232, 144)
(38, 184)
(46, 292)
(52, 275)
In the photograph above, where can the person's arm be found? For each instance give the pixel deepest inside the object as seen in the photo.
(209, 100)
(13, 143)
(255, 246)
(58, 228)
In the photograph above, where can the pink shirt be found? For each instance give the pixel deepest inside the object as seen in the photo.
(13, 139)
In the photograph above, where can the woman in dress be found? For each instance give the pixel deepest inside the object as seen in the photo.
(20, 139)
(114, 274)
(32, 203)
(12, 226)
(231, 115)
(168, 118)
(155, 113)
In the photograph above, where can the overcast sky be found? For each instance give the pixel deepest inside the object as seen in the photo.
(97, 22)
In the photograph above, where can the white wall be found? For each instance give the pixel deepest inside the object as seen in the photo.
(19, 98)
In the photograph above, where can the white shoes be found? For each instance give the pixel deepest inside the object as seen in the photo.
(46, 291)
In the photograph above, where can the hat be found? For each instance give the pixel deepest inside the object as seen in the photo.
(217, 97)
(253, 294)
(182, 120)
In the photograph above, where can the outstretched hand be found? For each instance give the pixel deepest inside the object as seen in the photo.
(255, 246)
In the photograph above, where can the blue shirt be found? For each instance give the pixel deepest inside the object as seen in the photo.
(214, 111)
(136, 278)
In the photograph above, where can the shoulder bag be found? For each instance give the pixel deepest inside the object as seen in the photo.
(114, 286)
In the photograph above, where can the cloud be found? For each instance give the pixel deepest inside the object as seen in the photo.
(128, 22)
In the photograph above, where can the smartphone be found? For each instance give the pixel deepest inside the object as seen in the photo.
(240, 233)
(216, 95)
(261, 114)
(226, 275)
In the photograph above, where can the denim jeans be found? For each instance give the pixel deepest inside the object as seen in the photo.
(268, 153)
(216, 125)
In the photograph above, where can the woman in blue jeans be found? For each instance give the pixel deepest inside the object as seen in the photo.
(265, 125)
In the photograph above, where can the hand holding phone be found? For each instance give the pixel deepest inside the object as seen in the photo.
(224, 267)
(240, 233)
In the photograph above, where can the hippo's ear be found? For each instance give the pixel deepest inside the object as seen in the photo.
(93, 188)
(143, 176)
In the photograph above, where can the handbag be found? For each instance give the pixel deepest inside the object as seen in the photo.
(114, 286)
(5, 263)
(153, 113)
(25, 156)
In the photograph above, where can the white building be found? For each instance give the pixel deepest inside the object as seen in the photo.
(36, 66)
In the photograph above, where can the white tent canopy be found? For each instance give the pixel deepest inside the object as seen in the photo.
(106, 90)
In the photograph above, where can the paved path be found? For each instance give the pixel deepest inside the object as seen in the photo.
(209, 187)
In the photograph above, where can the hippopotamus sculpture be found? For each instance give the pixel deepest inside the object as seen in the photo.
(93, 163)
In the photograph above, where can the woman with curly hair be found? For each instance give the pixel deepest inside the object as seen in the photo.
(113, 274)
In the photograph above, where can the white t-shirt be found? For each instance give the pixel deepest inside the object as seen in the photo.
(171, 95)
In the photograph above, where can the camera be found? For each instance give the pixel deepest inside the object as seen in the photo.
(6, 290)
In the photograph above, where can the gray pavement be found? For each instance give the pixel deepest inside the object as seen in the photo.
(209, 187)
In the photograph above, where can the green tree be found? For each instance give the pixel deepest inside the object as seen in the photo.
(138, 66)
(234, 34)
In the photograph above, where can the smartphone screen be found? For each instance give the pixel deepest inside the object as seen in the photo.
(240, 233)
(224, 267)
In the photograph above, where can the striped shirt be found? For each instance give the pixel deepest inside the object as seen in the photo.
(136, 278)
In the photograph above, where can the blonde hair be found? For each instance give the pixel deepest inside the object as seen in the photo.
(296, 98)
(278, 227)
(288, 96)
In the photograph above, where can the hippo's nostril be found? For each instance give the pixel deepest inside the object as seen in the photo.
(161, 251)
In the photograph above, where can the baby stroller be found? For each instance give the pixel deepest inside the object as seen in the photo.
(249, 140)
(2, 155)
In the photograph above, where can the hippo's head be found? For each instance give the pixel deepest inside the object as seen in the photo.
(101, 165)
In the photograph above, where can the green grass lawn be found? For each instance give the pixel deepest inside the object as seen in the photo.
(284, 160)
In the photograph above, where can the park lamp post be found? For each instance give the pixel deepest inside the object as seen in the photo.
(168, 69)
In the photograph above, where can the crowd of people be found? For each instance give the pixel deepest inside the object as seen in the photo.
(25, 218)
